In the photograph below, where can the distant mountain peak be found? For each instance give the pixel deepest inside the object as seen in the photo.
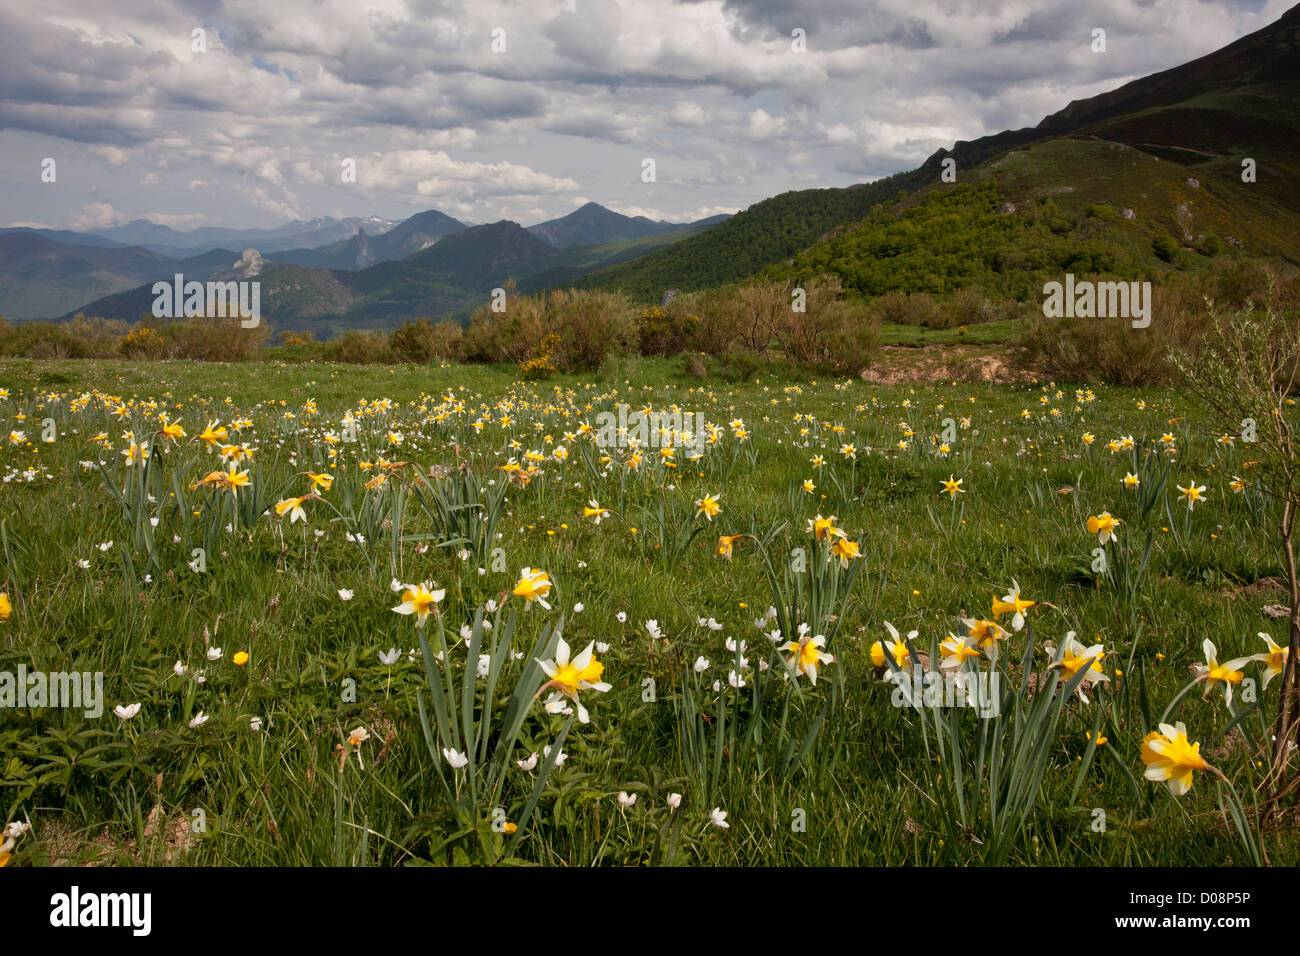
(592, 224)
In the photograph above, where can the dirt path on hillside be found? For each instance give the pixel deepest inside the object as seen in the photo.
(935, 363)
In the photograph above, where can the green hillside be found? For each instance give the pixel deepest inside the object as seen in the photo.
(1134, 147)
(766, 232)
(1011, 225)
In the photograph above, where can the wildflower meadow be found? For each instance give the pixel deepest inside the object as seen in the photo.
(442, 614)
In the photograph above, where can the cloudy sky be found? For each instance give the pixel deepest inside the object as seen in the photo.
(254, 129)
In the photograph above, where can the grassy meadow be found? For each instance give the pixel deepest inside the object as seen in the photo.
(288, 716)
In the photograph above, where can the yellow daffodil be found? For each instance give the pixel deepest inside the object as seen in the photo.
(136, 454)
(214, 434)
(1192, 494)
(845, 550)
(957, 650)
(420, 600)
(534, 585)
(1274, 660)
(172, 431)
(1012, 603)
(1074, 657)
(823, 528)
(896, 648)
(294, 508)
(567, 677)
(1103, 526)
(806, 655)
(236, 480)
(726, 543)
(1212, 672)
(985, 634)
(1172, 758)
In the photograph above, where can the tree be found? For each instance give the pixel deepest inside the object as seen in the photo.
(1242, 374)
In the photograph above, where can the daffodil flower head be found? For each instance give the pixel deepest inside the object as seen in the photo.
(420, 600)
(1192, 494)
(806, 656)
(1226, 674)
(845, 550)
(823, 529)
(1012, 603)
(534, 585)
(1103, 526)
(726, 543)
(708, 506)
(1074, 657)
(957, 650)
(896, 648)
(293, 507)
(1274, 660)
(1171, 758)
(568, 676)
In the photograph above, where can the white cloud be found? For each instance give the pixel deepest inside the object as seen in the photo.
(434, 172)
(97, 215)
(253, 129)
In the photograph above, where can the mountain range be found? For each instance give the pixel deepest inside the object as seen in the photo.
(41, 277)
(453, 267)
(291, 235)
(46, 272)
(1089, 187)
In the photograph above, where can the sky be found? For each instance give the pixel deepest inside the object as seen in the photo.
(526, 110)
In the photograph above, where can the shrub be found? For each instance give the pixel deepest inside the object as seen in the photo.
(831, 334)
(741, 365)
(359, 348)
(901, 308)
(508, 336)
(590, 325)
(667, 330)
(718, 330)
(42, 340)
(217, 339)
(100, 336)
(1165, 247)
(421, 341)
(1095, 350)
(693, 364)
(541, 364)
(1111, 350)
(761, 306)
(971, 306)
(1235, 283)
(143, 341)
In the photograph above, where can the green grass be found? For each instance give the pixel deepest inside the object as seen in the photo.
(1002, 332)
(867, 782)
